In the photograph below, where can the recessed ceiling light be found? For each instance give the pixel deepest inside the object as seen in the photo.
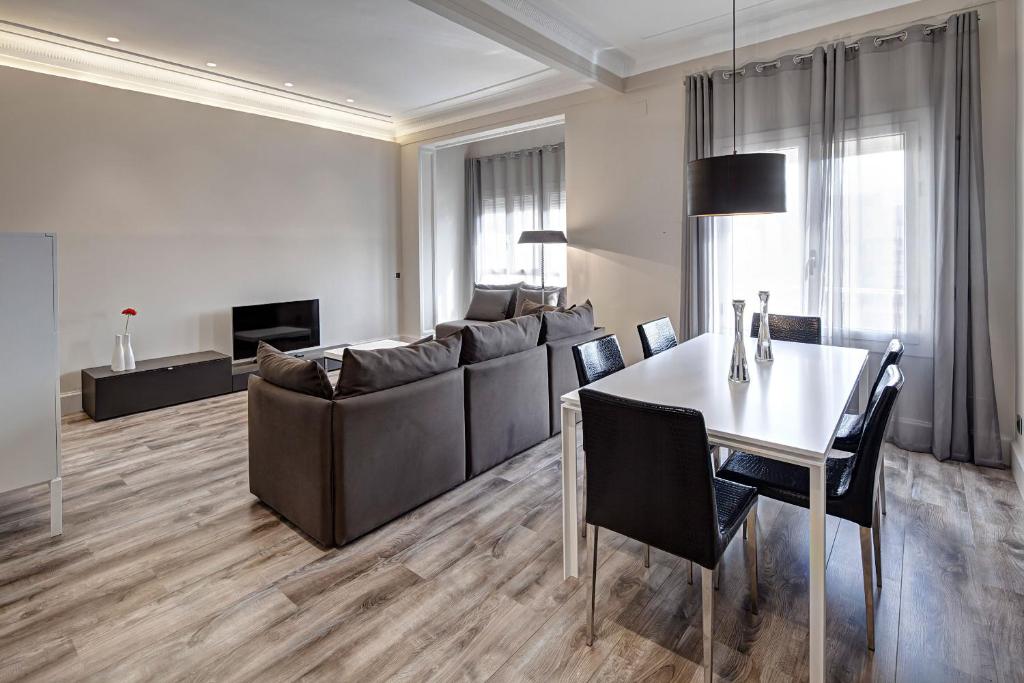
(212, 65)
(112, 39)
(350, 100)
(289, 84)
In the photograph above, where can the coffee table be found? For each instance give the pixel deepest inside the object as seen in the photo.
(338, 354)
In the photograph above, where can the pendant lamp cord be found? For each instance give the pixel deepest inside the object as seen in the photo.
(734, 149)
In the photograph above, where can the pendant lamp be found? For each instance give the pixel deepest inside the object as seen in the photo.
(736, 184)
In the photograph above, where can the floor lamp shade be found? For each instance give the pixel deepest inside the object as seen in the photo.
(734, 184)
(542, 237)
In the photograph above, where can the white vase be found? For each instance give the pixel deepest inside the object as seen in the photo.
(117, 359)
(129, 355)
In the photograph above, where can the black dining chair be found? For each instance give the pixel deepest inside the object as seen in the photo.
(595, 359)
(805, 329)
(850, 483)
(656, 336)
(650, 478)
(852, 426)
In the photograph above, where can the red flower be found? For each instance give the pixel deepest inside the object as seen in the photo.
(129, 311)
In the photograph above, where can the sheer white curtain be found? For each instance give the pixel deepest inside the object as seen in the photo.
(510, 193)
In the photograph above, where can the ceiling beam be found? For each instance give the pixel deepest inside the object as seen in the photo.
(480, 17)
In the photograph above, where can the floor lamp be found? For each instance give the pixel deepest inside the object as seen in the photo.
(542, 237)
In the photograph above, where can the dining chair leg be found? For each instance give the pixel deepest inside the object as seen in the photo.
(647, 555)
(708, 608)
(752, 556)
(691, 573)
(584, 499)
(876, 535)
(744, 530)
(593, 585)
(881, 483)
(717, 573)
(869, 593)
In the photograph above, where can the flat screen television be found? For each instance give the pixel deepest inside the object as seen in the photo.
(286, 326)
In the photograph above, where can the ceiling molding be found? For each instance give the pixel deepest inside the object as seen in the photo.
(43, 52)
(564, 30)
(482, 18)
(527, 90)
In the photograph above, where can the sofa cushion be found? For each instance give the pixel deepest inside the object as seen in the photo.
(554, 296)
(287, 372)
(442, 330)
(576, 321)
(492, 302)
(501, 338)
(365, 371)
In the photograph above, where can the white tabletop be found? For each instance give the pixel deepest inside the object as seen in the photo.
(791, 405)
(338, 354)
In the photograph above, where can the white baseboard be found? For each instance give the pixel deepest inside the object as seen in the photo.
(70, 402)
(1017, 465)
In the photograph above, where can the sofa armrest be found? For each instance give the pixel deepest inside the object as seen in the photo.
(290, 464)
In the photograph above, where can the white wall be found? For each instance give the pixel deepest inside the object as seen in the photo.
(183, 211)
(624, 176)
(624, 180)
(453, 267)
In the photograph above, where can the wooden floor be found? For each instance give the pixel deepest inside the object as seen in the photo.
(170, 569)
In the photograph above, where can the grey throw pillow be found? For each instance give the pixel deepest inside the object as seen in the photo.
(490, 304)
(296, 374)
(514, 286)
(366, 371)
(497, 339)
(553, 296)
(561, 325)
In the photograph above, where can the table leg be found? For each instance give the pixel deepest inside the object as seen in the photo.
(570, 523)
(817, 566)
(56, 507)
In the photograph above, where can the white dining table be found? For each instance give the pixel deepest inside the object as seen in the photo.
(789, 411)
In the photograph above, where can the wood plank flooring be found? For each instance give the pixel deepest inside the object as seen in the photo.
(169, 569)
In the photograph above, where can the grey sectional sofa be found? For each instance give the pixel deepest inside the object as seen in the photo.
(338, 462)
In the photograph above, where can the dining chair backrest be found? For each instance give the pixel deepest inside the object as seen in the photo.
(597, 358)
(857, 503)
(656, 336)
(892, 356)
(805, 329)
(649, 475)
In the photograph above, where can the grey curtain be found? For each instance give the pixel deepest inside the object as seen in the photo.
(505, 195)
(966, 424)
(698, 238)
(918, 92)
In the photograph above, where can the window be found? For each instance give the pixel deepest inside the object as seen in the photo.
(863, 271)
(519, 191)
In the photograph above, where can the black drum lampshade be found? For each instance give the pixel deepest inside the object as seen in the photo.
(736, 184)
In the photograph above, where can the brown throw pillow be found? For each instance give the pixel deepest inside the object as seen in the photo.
(497, 339)
(296, 374)
(527, 307)
(366, 371)
(563, 324)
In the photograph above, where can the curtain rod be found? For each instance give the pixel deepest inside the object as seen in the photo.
(519, 152)
(901, 35)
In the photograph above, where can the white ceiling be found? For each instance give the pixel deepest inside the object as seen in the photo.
(405, 62)
(390, 56)
(633, 36)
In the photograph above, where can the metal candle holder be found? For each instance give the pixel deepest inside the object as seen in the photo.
(738, 367)
(764, 337)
